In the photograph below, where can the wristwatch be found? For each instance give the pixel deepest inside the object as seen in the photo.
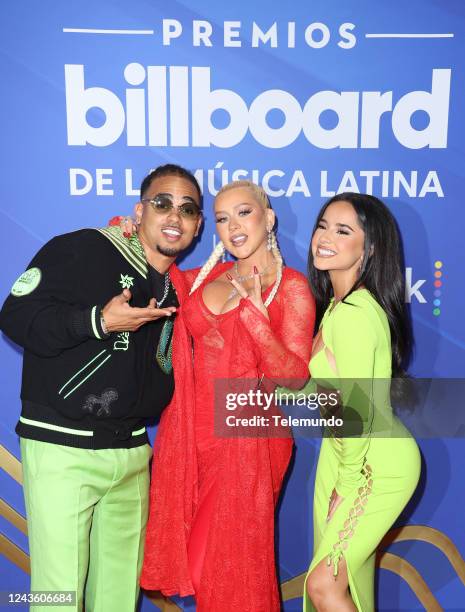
(103, 324)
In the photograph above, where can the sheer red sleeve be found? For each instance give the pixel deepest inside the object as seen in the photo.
(190, 276)
(284, 346)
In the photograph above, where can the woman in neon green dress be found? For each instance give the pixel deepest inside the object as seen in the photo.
(365, 476)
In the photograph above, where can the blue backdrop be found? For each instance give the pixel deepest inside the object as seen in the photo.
(309, 99)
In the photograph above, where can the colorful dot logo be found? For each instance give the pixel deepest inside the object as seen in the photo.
(437, 288)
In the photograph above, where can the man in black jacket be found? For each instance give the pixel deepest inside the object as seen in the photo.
(94, 313)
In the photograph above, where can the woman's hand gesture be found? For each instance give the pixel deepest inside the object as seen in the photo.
(254, 294)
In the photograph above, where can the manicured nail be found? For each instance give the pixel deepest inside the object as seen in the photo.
(126, 234)
(255, 270)
(228, 276)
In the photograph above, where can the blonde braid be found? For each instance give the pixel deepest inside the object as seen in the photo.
(208, 266)
(279, 272)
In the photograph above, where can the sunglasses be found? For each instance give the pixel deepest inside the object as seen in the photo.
(163, 205)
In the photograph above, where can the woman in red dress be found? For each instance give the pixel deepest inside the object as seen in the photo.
(213, 496)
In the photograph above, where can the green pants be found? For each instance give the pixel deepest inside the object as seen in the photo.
(86, 513)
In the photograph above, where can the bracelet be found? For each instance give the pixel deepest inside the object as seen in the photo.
(103, 324)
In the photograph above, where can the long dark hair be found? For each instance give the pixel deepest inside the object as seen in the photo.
(382, 273)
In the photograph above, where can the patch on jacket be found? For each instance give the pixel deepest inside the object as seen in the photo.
(100, 406)
(27, 282)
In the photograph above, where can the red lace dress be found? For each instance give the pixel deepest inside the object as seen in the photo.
(227, 553)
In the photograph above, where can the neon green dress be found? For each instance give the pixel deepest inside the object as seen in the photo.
(375, 471)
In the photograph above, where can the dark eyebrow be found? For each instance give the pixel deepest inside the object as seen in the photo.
(338, 224)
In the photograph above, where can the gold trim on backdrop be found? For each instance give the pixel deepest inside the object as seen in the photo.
(412, 577)
(14, 554)
(163, 603)
(293, 588)
(432, 536)
(12, 516)
(11, 464)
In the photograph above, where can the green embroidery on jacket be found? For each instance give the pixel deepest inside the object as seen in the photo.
(122, 342)
(131, 249)
(126, 281)
(82, 370)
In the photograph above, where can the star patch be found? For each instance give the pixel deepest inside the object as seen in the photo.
(126, 281)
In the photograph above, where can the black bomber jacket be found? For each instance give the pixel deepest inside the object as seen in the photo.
(80, 386)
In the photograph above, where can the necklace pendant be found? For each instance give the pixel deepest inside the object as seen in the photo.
(164, 353)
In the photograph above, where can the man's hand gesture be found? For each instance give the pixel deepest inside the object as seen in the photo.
(119, 316)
